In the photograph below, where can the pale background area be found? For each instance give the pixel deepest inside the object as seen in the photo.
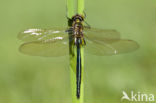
(28, 79)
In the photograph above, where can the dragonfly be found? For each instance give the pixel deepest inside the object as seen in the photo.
(55, 42)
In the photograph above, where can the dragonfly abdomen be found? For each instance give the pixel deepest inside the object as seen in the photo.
(78, 68)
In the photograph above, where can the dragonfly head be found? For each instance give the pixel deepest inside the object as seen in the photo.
(78, 18)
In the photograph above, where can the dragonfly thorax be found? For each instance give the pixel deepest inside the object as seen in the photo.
(77, 26)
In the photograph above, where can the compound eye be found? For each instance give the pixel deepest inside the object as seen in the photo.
(74, 19)
(81, 18)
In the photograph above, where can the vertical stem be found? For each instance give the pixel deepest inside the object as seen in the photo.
(80, 10)
(80, 7)
(73, 61)
(70, 8)
(73, 54)
(82, 79)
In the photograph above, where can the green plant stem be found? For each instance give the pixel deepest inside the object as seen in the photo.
(73, 54)
(80, 7)
(73, 60)
(70, 8)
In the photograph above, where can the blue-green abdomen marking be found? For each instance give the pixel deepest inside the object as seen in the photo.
(78, 67)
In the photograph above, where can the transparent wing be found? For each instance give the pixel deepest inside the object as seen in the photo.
(100, 34)
(106, 42)
(43, 34)
(110, 47)
(46, 48)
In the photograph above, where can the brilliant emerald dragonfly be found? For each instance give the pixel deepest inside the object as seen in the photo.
(55, 42)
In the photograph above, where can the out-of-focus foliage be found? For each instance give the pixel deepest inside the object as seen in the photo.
(27, 79)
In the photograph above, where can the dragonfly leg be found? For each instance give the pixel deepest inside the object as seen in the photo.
(70, 30)
(88, 26)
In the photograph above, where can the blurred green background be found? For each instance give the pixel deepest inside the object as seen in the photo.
(28, 79)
